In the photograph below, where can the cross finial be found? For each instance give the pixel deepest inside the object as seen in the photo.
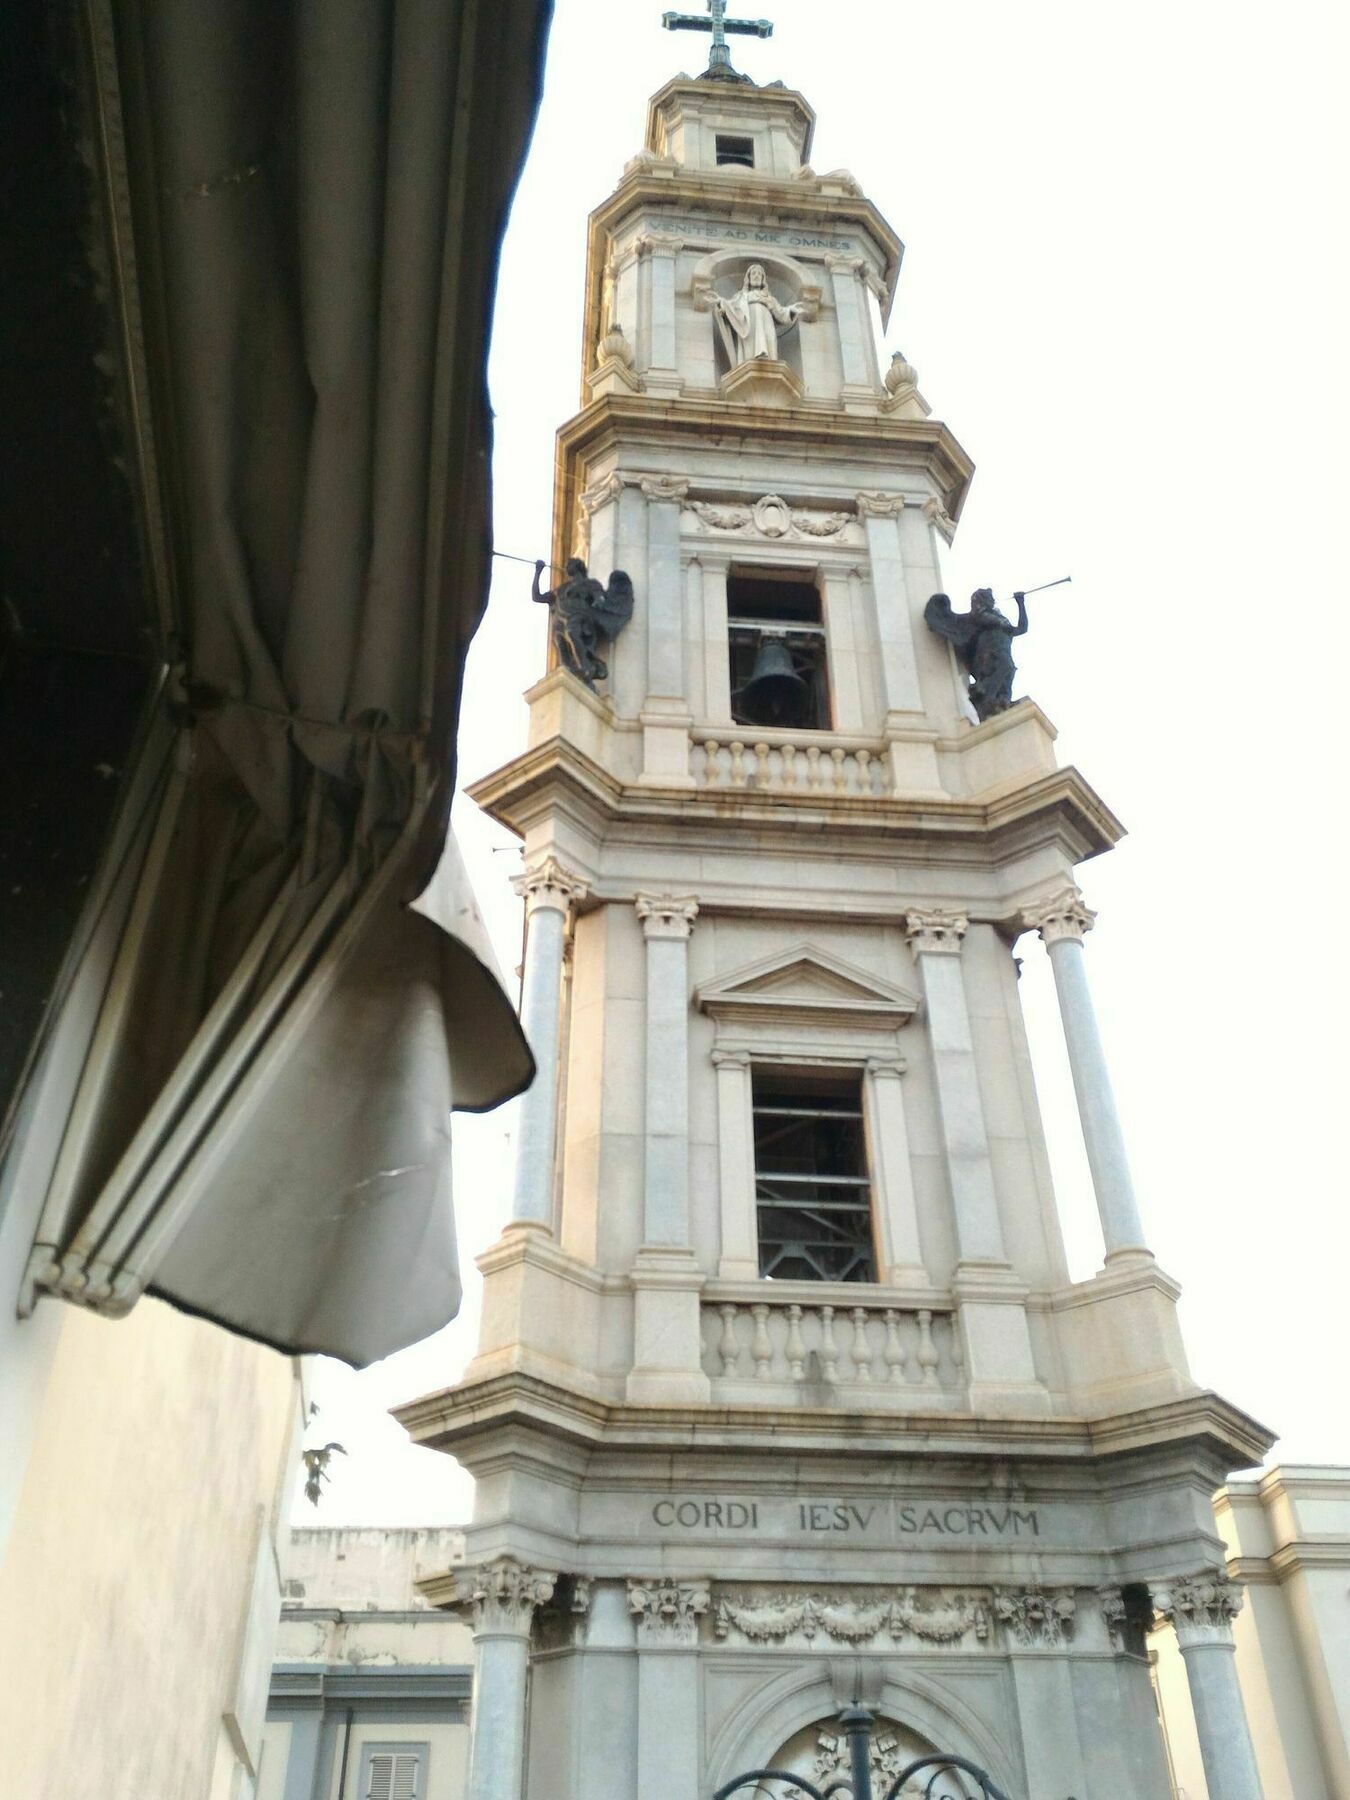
(717, 22)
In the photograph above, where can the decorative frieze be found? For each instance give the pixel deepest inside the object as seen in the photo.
(500, 1597)
(1199, 1608)
(667, 1612)
(936, 931)
(1060, 915)
(592, 498)
(865, 1616)
(666, 915)
(771, 517)
(1033, 1616)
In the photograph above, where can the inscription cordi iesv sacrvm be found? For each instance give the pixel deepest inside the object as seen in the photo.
(891, 1518)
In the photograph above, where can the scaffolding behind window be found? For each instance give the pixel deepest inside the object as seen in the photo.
(735, 152)
(812, 1197)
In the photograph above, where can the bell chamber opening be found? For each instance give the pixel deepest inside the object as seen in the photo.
(776, 648)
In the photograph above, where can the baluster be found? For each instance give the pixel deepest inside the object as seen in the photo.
(796, 1349)
(788, 755)
(862, 1359)
(895, 1350)
(864, 771)
(840, 775)
(762, 765)
(928, 1356)
(813, 767)
(762, 1346)
(712, 773)
(958, 1354)
(829, 1351)
(738, 764)
(729, 1345)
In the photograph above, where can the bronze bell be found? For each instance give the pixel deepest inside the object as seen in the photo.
(775, 693)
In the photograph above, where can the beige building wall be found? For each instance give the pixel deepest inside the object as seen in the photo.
(140, 1579)
(1287, 1534)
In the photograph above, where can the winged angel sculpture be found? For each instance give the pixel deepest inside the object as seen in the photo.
(585, 614)
(983, 640)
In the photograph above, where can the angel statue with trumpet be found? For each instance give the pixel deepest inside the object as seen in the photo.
(585, 613)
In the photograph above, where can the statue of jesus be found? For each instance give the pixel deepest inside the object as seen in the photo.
(748, 321)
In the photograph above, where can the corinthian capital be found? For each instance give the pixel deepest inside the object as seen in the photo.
(1033, 1616)
(1199, 1608)
(666, 915)
(880, 506)
(548, 885)
(1060, 915)
(667, 1611)
(500, 1597)
(936, 932)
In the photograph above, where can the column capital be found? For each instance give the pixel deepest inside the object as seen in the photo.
(1059, 915)
(882, 1068)
(663, 487)
(667, 1612)
(937, 515)
(658, 243)
(500, 1597)
(666, 915)
(549, 885)
(1199, 1608)
(880, 506)
(731, 1059)
(936, 931)
(1037, 1617)
(593, 497)
(839, 264)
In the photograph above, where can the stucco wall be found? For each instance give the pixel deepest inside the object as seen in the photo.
(139, 1586)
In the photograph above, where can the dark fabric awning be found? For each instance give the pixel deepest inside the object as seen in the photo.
(243, 1096)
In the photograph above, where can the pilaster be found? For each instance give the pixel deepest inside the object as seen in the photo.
(880, 514)
(896, 1203)
(500, 1599)
(669, 1734)
(660, 251)
(994, 1330)
(665, 715)
(667, 1282)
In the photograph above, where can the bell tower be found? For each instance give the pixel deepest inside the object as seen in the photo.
(784, 1396)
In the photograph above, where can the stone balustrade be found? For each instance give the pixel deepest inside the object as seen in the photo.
(868, 1344)
(773, 762)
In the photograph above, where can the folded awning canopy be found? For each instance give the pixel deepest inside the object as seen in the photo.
(241, 1096)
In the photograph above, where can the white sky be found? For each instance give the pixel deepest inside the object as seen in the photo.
(1125, 289)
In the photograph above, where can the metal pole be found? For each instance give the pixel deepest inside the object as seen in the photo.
(857, 1724)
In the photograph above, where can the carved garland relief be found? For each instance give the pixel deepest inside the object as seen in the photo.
(771, 517)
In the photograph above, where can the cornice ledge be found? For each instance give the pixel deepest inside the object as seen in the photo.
(1106, 1283)
(1239, 1440)
(515, 1247)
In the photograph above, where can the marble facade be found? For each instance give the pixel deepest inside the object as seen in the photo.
(710, 1508)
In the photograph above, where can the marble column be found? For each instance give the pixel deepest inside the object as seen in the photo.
(665, 715)
(897, 1208)
(1062, 921)
(935, 940)
(667, 921)
(549, 892)
(880, 514)
(1201, 1609)
(500, 1598)
(669, 1727)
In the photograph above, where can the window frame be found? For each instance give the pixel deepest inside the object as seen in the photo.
(813, 631)
(768, 1072)
(373, 1747)
(733, 159)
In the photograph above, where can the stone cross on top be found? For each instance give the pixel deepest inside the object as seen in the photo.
(717, 22)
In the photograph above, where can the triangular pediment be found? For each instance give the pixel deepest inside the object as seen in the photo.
(806, 983)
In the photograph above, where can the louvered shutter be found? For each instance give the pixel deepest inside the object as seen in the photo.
(394, 1775)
